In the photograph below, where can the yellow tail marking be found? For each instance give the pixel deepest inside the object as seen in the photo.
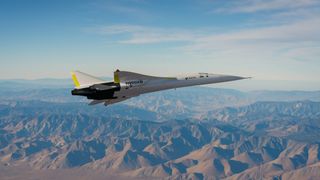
(75, 80)
(116, 77)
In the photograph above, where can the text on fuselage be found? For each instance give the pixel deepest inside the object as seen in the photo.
(134, 83)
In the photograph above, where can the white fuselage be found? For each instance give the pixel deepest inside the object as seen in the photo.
(136, 87)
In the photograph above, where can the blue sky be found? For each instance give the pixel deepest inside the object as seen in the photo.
(277, 41)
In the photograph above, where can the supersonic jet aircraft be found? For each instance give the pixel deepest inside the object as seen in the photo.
(129, 84)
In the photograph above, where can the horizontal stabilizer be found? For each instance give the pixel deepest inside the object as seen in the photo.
(81, 79)
(94, 102)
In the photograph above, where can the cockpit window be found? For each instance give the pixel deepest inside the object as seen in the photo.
(202, 75)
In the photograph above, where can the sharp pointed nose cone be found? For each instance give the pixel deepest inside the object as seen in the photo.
(233, 78)
(240, 77)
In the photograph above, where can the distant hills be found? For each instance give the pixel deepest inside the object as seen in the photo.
(184, 103)
(192, 133)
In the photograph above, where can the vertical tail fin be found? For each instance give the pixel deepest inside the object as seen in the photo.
(116, 77)
(81, 79)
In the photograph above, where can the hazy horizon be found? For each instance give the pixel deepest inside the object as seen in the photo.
(246, 85)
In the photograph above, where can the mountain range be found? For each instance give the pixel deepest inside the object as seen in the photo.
(192, 133)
